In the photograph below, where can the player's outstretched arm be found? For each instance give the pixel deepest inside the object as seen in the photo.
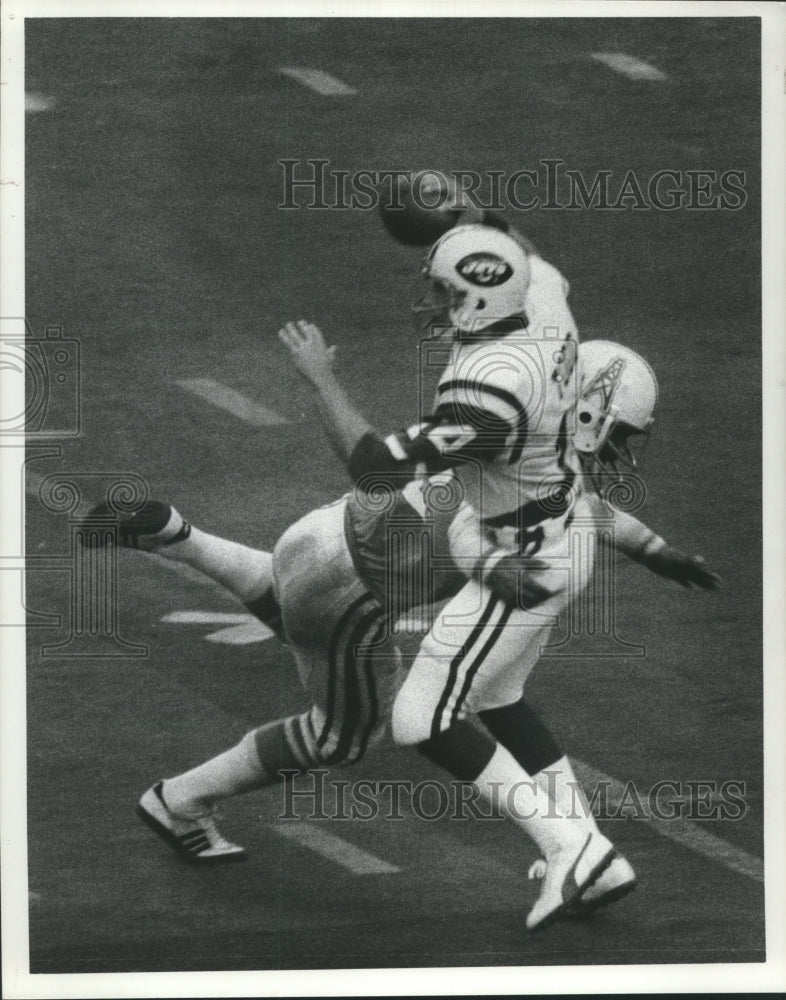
(689, 571)
(437, 444)
(359, 446)
(644, 546)
(343, 423)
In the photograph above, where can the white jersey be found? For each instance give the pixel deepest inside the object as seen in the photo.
(503, 418)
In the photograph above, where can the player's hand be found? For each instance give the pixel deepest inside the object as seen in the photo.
(688, 571)
(512, 579)
(307, 348)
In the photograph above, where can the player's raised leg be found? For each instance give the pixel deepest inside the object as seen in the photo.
(247, 573)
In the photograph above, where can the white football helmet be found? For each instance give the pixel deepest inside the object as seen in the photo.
(477, 276)
(618, 392)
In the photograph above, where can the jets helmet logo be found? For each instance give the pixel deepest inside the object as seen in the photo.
(605, 383)
(484, 269)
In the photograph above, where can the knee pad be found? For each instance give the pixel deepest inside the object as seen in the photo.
(524, 735)
(463, 750)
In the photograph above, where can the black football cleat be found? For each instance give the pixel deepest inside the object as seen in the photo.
(153, 526)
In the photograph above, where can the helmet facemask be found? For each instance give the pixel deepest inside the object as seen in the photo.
(622, 449)
(615, 457)
(615, 449)
(435, 307)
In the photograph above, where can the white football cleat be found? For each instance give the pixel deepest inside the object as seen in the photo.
(617, 881)
(197, 838)
(569, 872)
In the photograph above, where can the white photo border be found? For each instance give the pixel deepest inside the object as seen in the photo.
(769, 976)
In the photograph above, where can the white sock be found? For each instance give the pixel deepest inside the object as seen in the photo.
(520, 797)
(562, 785)
(244, 571)
(230, 773)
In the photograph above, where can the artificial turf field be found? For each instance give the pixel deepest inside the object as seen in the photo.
(154, 238)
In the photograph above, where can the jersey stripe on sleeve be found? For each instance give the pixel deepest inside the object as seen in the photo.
(481, 395)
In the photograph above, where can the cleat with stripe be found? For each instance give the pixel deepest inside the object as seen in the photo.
(615, 883)
(197, 839)
(569, 873)
(153, 526)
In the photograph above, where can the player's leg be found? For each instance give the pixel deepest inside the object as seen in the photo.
(328, 610)
(493, 685)
(521, 730)
(338, 622)
(160, 529)
(181, 809)
(478, 639)
(507, 714)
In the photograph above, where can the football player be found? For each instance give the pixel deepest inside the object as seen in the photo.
(333, 618)
(502, 423)
(313, 557)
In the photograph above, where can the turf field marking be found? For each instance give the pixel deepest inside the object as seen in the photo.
(242, 635)
(244, 629)
(681, 831)
(208, 618)
(354, 859)
(38, 102)
(316, 79)
(634, 69)
(232, 401)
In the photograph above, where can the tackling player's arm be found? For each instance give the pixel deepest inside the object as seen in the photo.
(458, 429)
(354, 440)
(640, 543)
(450, 436)
(437, 444)
(344, 424)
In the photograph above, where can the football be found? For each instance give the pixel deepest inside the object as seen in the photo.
(417, 212)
